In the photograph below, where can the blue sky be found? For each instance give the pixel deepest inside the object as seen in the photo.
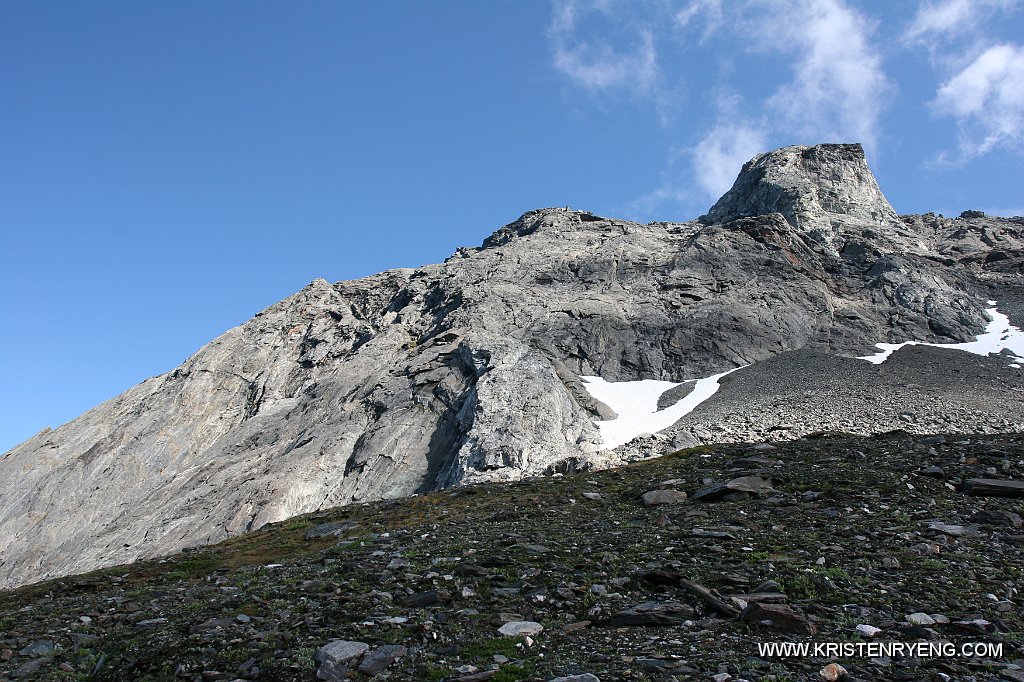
(169, 169)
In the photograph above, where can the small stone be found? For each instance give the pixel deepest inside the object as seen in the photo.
(932, 472)
(520, 627)
(994, 487)
(952, 529)
(832, 672)
(38, 648)
(654, 498)
(778, 617)
(243, 618)
(427, 598)
(592, 496)
(721, 677)
(585, 677)
(754, 485)
(890, 562)
(332, 529)
(6, 655)
(920, 619)
(576, 627)
(868, 630)
(997, 517)
(381, 658)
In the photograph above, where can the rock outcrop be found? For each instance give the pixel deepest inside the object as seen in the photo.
(418, 379)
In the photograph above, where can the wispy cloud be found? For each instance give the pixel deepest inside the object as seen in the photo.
(836, 92)
(839, 88)
(719, 155)
(596, 64)
(832, 87)
(986, 98)
(951, 18)
(709, 14)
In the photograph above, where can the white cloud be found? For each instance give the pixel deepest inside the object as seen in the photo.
(987, 100)
(720, 154)
(839, 88)
(945, 18)
(596, 65)
(711, 12)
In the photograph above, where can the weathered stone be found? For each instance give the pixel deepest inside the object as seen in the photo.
(334, 528)
(654, 498)
(994, 487)
(333, 658)
(997, 517)
(953, 530)
(868, 630)
(832, 672)
(920, 619)
(754, 485)
(381, 657)
(520, 627)
(39, 647)
(426, 598)
(585, 677)
(778, 617)
(654, 613)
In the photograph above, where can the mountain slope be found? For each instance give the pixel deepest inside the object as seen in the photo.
(854, 532)
(413, 380)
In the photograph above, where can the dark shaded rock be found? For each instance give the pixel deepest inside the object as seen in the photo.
(380, 658)
(754, 485)
(778, 617)
(654, 498)
(994, 487)
(334, 528)
(40, 647)
(659, 577)
(706, 596)
(426, 598)
(654, 613)
(997, 517)
(332, 659)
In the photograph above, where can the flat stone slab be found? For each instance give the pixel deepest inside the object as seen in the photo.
(520, 627)
(654, 498)
(754, 485)
(994, 487)
(332, 659)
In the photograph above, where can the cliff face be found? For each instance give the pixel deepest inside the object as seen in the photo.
(416, 379)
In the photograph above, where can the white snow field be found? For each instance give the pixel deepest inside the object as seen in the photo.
(636, 403)
(999, 335)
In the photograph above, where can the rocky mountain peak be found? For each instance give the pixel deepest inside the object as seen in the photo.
(815, 188)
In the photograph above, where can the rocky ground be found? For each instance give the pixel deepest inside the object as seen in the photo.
(608, 575)
(919, 389)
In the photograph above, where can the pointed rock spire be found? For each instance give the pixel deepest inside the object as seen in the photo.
(813, 187)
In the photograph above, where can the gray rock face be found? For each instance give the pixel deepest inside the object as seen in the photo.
(821, 191)
(416, 379)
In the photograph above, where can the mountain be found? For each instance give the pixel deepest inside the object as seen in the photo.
(868, 541)
(473, 370)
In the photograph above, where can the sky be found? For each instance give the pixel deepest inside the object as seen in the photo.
(168, 169)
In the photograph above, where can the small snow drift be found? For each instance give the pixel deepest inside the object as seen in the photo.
(636, 403)
(999, 335)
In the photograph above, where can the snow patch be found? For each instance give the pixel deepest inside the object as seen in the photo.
(636, 403)
(999, 335)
